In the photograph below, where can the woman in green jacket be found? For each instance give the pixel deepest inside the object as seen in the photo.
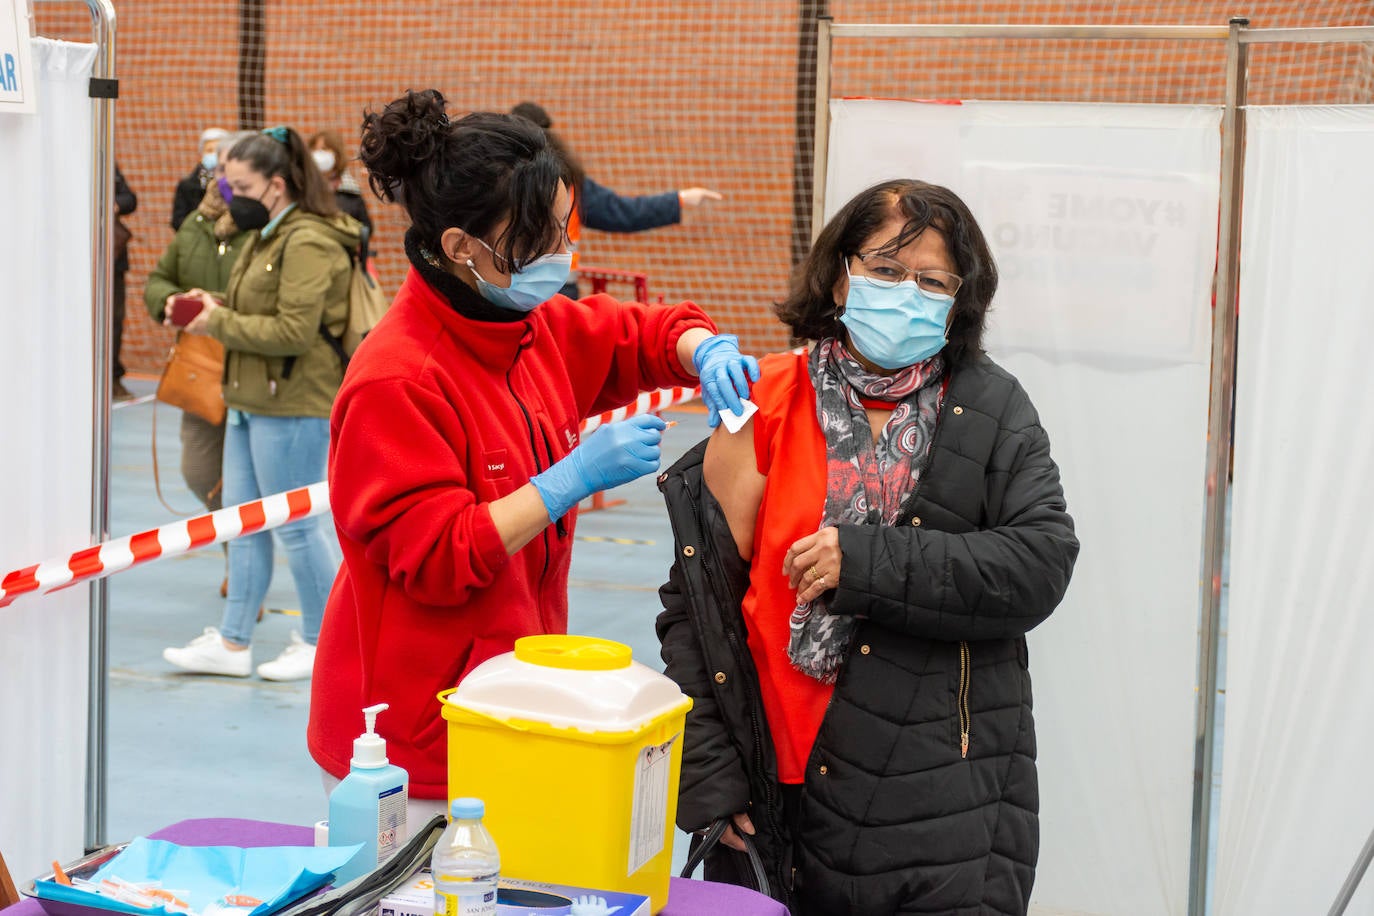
(280, 378)
(200, 257)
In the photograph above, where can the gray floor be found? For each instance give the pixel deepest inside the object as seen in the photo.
(195, 746)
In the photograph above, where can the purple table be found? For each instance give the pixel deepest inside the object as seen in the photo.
(685, 897)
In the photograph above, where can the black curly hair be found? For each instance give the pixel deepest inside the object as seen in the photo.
(469, 173)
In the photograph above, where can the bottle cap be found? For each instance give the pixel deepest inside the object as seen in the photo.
(369, 748)
(467, 809)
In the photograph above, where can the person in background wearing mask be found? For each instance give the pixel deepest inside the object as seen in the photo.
(878, 538)
(327, 149)
(126, 202)
(280, 378)
(455, 462)
(598, 207)
(199, 259)
(191, 189)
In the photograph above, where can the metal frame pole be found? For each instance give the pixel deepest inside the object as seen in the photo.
(820, 163)
(103, 19)
(1222, 406)
(1352, 881)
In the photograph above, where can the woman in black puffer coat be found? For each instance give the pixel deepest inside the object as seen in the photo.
(862, 697)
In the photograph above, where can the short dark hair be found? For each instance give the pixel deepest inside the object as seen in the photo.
(810, 310)
(269, 155)
(467, 174)
(533, 111)
(573, 171)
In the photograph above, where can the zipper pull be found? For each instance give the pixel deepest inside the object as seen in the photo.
(963, 745)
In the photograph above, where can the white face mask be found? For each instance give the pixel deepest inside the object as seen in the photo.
(324, 159)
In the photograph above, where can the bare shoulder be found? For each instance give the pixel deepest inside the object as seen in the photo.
(731, 474)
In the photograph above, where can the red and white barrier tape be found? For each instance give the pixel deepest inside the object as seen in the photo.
(181, 537)
(648, 402)
(168, 541)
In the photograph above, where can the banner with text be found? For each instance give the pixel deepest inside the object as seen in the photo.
(16, 63)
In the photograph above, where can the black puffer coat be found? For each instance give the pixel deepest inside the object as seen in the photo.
(893, 817)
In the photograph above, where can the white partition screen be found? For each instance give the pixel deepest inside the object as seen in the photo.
(1103, 222)
(1297, 800)
(46, 344)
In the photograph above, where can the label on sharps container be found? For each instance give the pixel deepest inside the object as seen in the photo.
(649, 814)
(391, 822)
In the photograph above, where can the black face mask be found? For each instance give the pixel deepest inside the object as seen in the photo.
(248, 213)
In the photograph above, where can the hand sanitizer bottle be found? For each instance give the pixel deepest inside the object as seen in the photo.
(369, 806)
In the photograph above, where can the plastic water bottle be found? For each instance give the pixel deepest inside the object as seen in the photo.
(465, 865)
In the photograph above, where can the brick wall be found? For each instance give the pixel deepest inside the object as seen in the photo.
(653, 95)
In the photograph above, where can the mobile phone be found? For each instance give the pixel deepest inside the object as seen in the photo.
(184, 308)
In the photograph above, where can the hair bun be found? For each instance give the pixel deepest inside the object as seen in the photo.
(401, 139)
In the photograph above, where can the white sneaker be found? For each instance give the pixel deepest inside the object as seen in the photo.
(296, 662)
(206, 654)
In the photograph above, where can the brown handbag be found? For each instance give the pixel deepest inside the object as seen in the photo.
(192, 377)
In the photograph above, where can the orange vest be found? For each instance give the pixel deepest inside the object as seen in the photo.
(790, 451)
(574, 229)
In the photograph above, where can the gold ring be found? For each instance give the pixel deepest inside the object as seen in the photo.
(811, 574)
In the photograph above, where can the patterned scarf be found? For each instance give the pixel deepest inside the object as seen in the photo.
(866, 483)
(214, 209)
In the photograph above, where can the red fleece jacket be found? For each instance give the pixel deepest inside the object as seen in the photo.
(438, 416)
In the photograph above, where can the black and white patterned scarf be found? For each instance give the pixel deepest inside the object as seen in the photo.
(866, 483)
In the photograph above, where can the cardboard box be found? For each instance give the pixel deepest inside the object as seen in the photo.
(515, 897)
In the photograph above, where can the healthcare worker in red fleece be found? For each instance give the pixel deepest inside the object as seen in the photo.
(455, 465)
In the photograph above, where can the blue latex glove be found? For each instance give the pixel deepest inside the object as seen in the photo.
(613, 454)
(725, 375)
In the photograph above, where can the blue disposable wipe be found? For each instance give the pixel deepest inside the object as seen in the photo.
(276, 875)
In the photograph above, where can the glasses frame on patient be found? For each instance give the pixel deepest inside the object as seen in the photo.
(888, 273)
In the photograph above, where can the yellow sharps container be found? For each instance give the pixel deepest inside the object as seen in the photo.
(575, 749)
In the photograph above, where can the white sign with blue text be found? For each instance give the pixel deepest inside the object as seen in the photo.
(16, 67)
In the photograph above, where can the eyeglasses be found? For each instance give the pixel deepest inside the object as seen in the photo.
(887, 273)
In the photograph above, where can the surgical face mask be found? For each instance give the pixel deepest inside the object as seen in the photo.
(895, 327)
(535, 283)
(209, 161)
(324, 159)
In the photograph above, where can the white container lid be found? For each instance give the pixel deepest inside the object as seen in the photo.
(576, 682)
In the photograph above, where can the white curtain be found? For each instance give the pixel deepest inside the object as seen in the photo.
(1102, 219)
(46, 342)
(1297, 798)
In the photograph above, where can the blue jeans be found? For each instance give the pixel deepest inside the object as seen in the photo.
(262, 456)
